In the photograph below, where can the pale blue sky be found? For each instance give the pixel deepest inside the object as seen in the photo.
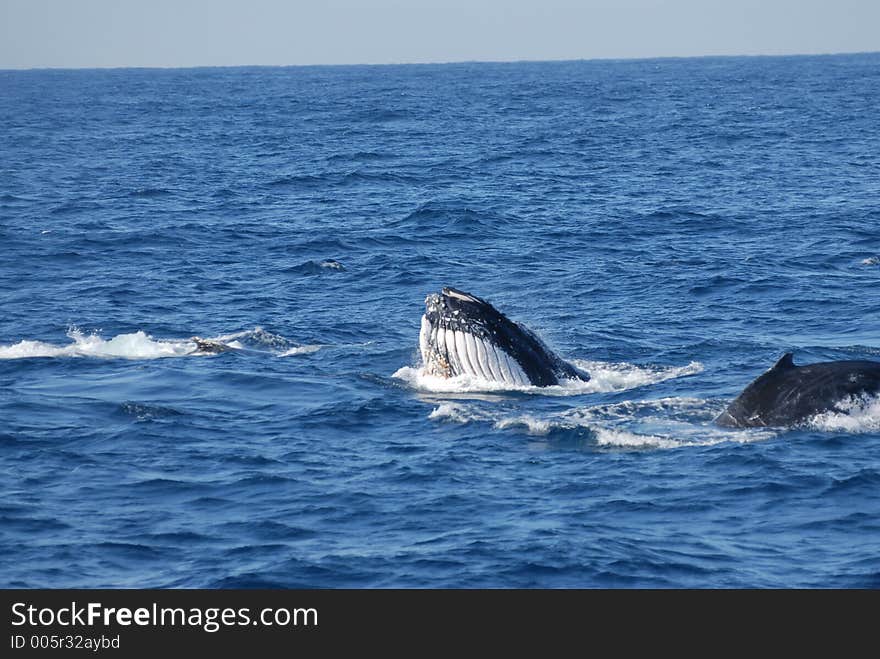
(109, 33)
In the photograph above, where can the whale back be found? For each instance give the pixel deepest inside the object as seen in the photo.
(788, 394)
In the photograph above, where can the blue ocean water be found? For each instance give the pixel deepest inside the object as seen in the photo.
(672, 225)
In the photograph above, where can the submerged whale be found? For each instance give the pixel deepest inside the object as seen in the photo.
(462, 334)
(788, 394)
(210, 346)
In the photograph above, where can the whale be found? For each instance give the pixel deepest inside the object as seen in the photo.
(210, 346)
(788, 395)
(462, 334)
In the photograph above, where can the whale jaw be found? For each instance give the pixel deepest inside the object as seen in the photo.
(447, 352)
(462, 334)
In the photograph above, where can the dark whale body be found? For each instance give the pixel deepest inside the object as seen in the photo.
(465, 335)
(787, 394)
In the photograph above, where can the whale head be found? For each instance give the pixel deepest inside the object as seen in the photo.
(462, 334)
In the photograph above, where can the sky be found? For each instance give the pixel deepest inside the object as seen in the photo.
(180, 33)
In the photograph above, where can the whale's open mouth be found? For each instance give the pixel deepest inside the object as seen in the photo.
(462, 334)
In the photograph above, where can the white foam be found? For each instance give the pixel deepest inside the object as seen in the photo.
(456, 413)
(673, 407)
(664, 423)
(626, 439)
(670, 422)
(301, 350)
(418, 379)
(871, 260)
(137, 345)
(532, 424)
(610, 377)
(856, 415)
(604, 377)
(27, 348)
(140, 345)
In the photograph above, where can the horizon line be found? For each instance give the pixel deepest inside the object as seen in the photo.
(437, 63)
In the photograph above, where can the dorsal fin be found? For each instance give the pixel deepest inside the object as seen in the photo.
(786, 361)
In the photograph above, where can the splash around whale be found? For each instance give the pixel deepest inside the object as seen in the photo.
(462, 334)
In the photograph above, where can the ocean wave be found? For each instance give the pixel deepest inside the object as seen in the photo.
(136, 345)
(534, 425)
(141, 346)
(360, 156)
(449, 218)
(661, 423)
(300, 350)
(148, 193)
(665, 423)
(458, 413)
(611, 377)
(360, 176)
(316, 267)
(380, 115)
(147, 411)
(626, 439)
(299, 181)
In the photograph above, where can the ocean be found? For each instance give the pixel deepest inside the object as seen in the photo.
(673, 226)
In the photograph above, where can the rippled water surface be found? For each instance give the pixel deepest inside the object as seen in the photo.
(672, 226)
